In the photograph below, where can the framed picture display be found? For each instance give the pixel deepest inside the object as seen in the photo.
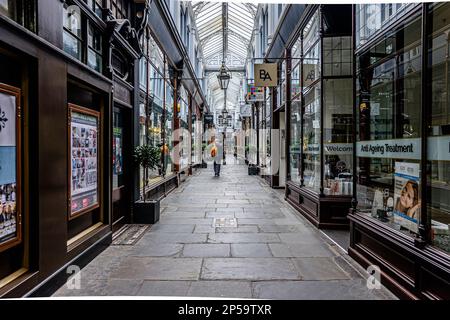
(10, 170)
(84, 131)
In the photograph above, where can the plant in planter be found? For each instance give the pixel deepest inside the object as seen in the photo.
(147, 157)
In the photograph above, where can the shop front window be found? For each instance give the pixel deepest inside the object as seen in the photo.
(388, 147)
(168, 130)
(438, 203)
(311, 139)
(295, 142)
(371, 18)
(337, 59)
(337, 139)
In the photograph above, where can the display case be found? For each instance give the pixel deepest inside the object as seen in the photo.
(320, 138)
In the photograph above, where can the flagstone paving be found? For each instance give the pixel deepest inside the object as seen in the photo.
(259, 248)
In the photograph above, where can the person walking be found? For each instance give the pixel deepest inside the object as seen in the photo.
(217, 155)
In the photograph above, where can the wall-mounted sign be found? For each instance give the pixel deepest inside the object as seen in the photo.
(394, 149)
(266, 74)
(246, 110)
(254, 93)
(84, 139)
(330, 148)
(10, 196)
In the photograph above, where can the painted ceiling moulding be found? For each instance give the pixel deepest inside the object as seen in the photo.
(166, 34)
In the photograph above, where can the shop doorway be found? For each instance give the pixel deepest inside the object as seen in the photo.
(122, 166)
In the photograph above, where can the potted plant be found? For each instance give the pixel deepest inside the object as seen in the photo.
(146, 210)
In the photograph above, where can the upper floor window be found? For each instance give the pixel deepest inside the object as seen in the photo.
(81, 39)
(96, 6)
(119, 8)
(21, 11)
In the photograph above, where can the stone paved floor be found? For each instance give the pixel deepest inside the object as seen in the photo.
(272, 252)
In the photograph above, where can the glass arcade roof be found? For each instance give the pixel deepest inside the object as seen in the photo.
(224, 30)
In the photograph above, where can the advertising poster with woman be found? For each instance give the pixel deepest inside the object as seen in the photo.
(407, 195)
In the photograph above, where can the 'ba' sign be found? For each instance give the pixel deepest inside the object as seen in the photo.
(266, 75)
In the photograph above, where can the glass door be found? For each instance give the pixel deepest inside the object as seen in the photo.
(121, 166)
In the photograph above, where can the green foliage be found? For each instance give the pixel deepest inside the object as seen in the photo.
(148, 157)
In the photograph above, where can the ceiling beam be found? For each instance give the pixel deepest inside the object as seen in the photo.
(224, 30)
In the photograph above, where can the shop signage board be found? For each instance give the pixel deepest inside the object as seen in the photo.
(254, 93)
(266, 74)
(84, 141)
(438, 149)
(246, 110)
(393, 149)
(309, 74)
(10, 209)
(330, 148)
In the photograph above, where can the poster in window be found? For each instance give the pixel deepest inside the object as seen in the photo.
(117, 151)
(10, 209)
(84, 141)
(407, 195)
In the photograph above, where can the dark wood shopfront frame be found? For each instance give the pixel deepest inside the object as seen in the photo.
(324, 211)
(410, 267)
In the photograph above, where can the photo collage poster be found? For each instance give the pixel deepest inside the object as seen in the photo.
(84, 142)
(407, 195)
(8, 187)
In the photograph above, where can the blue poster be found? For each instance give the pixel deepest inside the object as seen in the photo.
(7, 165)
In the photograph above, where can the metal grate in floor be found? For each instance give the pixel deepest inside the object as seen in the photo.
(225, 222)
(129, 234)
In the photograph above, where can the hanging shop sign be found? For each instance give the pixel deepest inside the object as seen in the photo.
(309, 74)
(10, 204)
(266, 74)
(246, 110)
(254, 93)
(84, 142)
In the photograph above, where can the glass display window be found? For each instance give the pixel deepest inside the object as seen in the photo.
(311, 31)
(388, 147)
(311, 143)
(438, 202)
(338, 136)
(168, 130)
(295, 142)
